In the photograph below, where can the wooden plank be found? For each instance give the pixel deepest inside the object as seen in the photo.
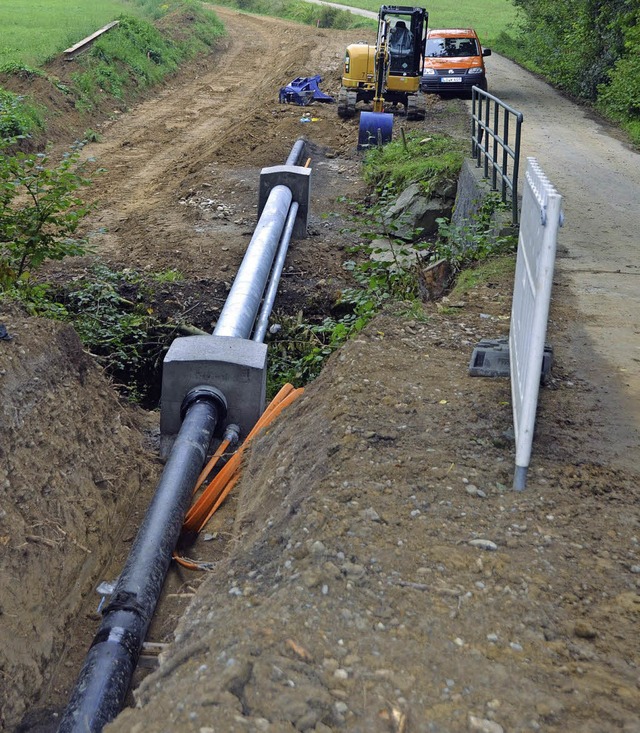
(82, 45)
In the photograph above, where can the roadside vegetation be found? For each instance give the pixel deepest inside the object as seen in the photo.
(590, 50)
(152, 39)
(299, 349)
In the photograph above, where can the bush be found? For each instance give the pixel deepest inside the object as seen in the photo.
(620, 97)
(120, 332)
(39, 211)
(574, 43)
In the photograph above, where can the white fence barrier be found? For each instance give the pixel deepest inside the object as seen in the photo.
(540, 218)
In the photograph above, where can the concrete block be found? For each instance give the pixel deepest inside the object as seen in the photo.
(235, 366)
(473, 189)
(490, 358)
(298, 180)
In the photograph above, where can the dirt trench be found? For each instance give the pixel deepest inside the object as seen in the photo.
(349, 589)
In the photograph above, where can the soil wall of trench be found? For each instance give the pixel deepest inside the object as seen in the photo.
(74, 463)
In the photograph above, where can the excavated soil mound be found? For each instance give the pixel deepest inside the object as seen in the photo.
(384, 577)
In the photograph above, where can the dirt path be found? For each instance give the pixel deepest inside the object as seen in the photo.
(168, 164)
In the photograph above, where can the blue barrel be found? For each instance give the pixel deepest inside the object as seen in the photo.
(375, 129)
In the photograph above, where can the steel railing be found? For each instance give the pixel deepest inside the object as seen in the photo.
(495, 146)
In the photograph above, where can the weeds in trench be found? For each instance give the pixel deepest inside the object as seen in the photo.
(168, 276)
(109, 311)
(478, 240)
(299, 349)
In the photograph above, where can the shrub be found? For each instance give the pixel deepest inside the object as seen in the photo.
(39, 211)
(620, 98)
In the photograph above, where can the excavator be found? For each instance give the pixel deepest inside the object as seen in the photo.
(387, 73)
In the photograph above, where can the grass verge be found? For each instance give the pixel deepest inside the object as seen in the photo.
(430, 160)
(138, 55)
(497, 269)
(122, 63)
(32, 33)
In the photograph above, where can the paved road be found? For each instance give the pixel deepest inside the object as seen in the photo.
(599, 246)
(598, 265)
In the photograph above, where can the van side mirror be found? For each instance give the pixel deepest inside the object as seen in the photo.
(486, 52)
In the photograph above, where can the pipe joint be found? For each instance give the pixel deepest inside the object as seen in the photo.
(126, 601)
(232, 434)
(205, 393)
(120, 636)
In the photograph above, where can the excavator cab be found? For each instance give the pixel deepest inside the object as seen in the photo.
(407, 36)
(387, 74)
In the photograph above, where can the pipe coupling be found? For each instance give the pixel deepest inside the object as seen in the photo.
(205, 393)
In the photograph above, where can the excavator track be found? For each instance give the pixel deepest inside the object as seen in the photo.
(347, 103)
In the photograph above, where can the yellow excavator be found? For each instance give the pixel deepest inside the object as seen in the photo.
(388, 73)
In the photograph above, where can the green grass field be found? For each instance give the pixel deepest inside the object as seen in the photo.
(488, 17)
(32, 31)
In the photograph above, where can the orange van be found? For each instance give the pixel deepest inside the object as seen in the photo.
(453, 61)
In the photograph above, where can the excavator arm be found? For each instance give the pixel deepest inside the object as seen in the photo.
(381, 65)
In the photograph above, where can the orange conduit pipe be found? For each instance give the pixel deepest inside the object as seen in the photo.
(229, 440)
(221, 485)
(199, 513)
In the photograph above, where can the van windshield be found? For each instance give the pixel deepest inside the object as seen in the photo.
(448, 47)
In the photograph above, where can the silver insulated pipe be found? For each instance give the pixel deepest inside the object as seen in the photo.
(242, 304)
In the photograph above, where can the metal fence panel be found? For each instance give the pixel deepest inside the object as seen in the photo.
(495, 145)
(539, 221)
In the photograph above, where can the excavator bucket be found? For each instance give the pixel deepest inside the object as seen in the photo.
(375, 129)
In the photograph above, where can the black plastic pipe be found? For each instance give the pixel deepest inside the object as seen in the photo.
(105, 677)
(106, 674)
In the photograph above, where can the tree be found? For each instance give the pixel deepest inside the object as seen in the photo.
(576, 43)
